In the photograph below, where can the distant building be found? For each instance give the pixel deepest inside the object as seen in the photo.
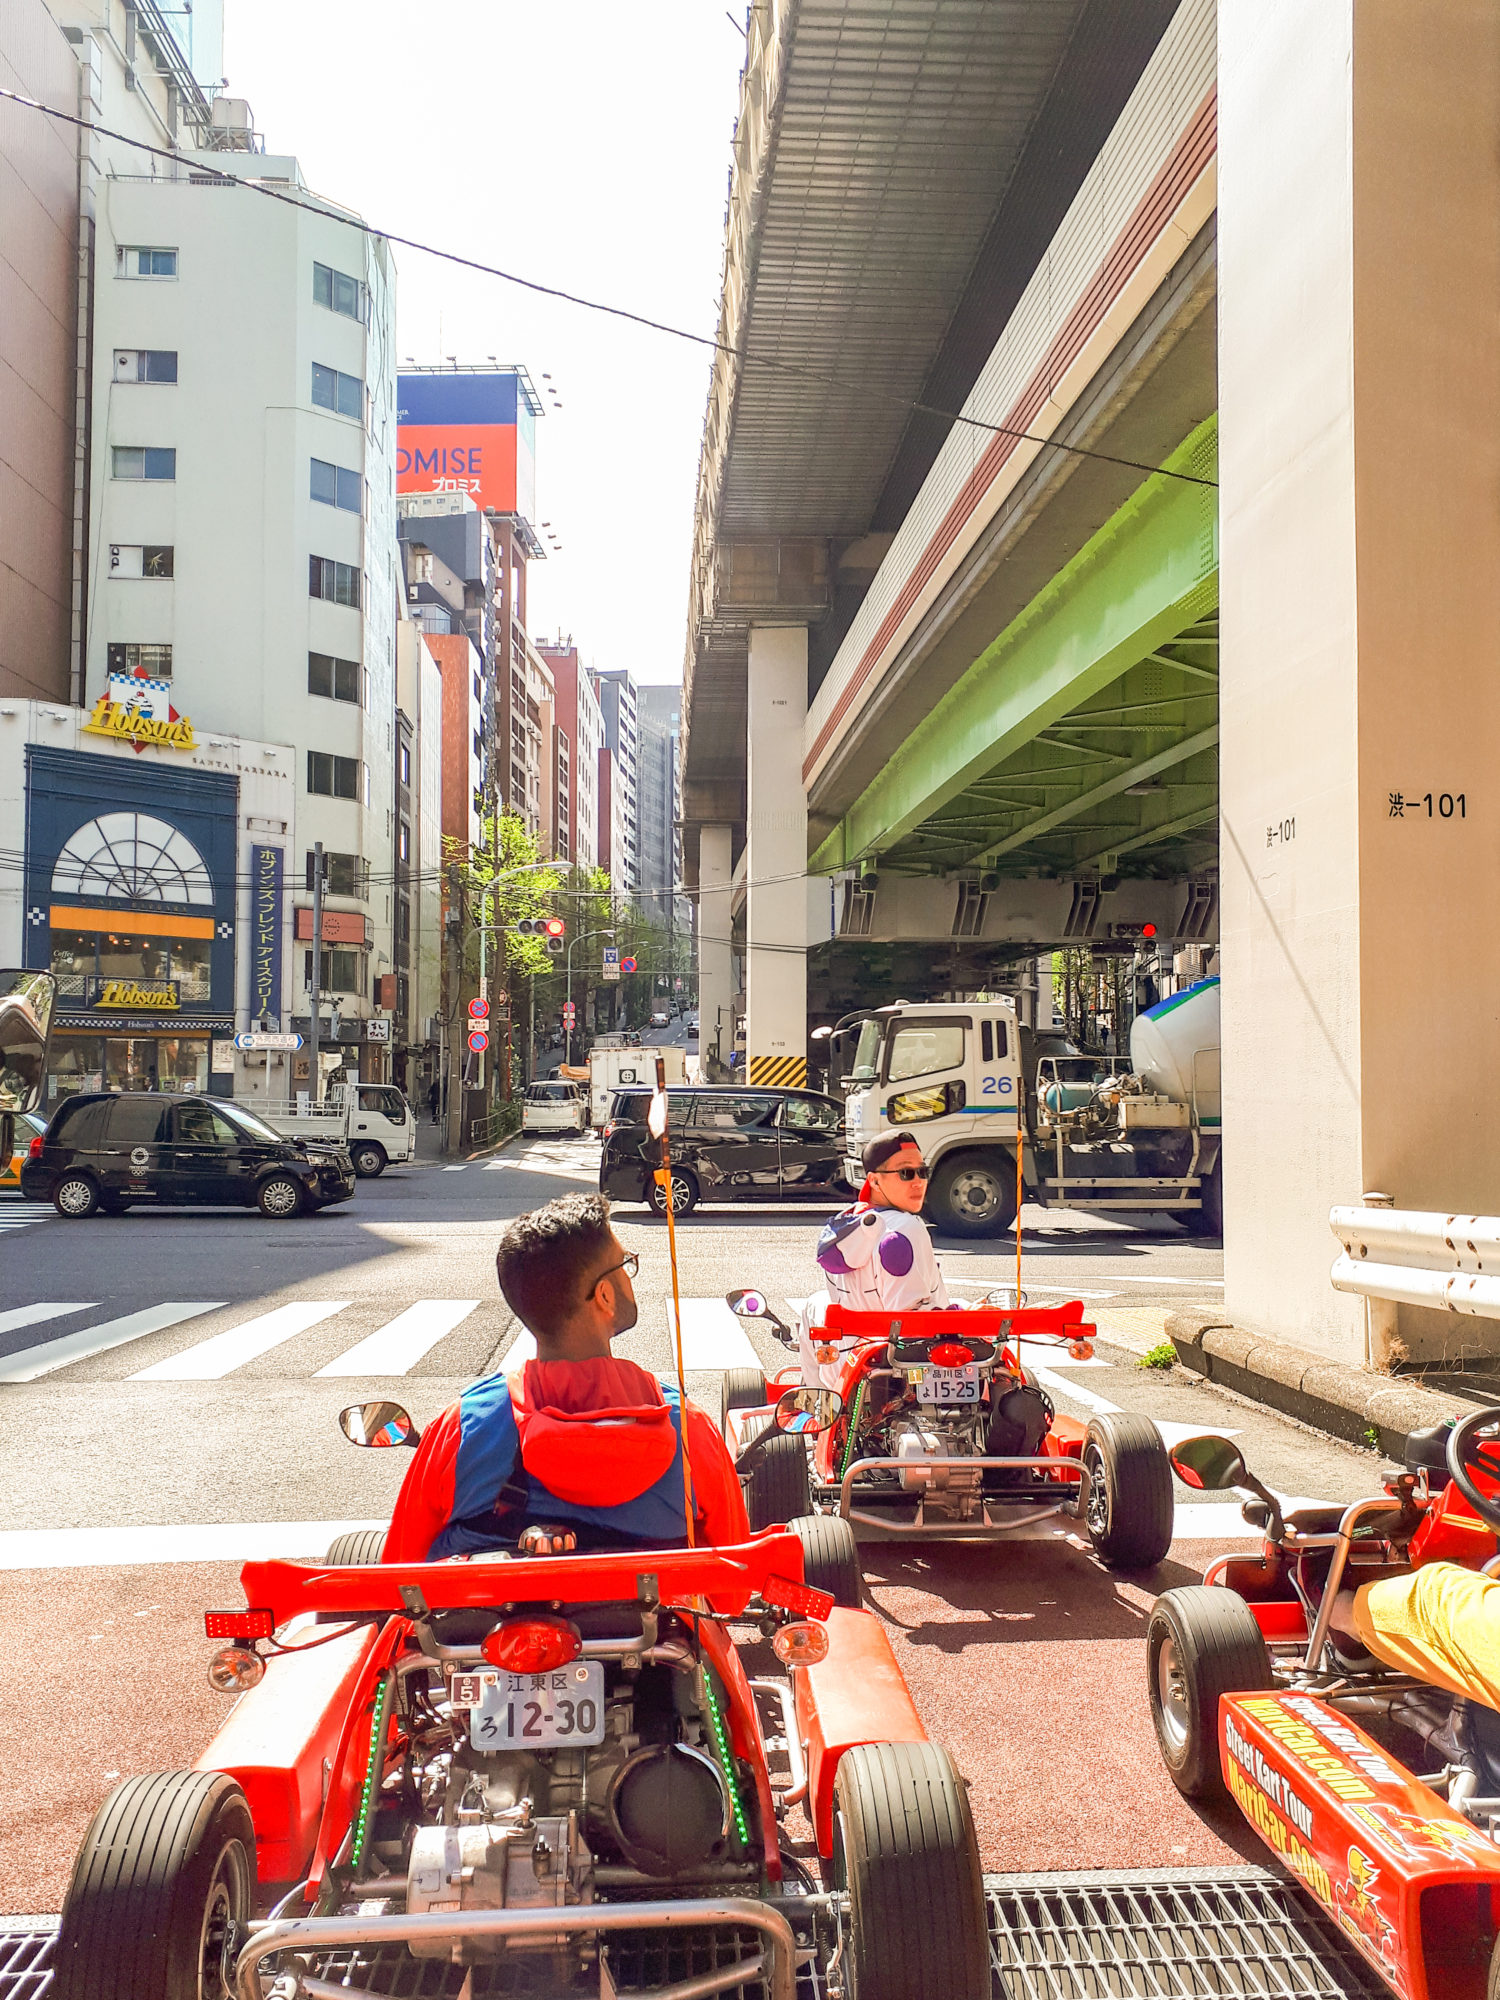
(617, 702)
(658, 801)
(579, 726)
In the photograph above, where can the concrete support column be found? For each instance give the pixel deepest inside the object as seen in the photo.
(715, 968)
(1359, 443)
(776, 861)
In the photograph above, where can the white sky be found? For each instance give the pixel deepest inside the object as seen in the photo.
(585, 143)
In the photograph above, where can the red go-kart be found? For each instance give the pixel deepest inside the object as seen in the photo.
(1379, 1792)
(927, 1397)
(551, 1776)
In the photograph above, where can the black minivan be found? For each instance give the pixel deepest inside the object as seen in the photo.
(105, 1151)
(727, 1144)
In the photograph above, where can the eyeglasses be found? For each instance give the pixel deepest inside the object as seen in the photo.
(921, 1173)
(629, 1264)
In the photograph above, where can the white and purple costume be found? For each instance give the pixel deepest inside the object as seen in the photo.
(874, 1260)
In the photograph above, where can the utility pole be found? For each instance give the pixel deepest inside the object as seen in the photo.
(314, 1025)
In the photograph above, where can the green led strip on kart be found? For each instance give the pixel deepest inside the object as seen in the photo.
(726, 1759)
(374, 1771)
(854, 1416)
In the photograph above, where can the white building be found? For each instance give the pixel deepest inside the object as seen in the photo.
(589, 727)
(243, 514)
(617, 702)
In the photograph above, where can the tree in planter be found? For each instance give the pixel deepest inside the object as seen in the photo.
(498, 882)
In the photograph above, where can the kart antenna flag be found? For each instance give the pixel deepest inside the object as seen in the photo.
(656, 1119)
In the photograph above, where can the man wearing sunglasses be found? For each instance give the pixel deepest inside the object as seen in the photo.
(876, 1256)
(576, 1449)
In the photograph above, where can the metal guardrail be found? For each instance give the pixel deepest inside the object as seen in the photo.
(1415, 1258)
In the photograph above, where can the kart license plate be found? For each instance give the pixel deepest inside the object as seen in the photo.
(540, 1711)
(949, 1385)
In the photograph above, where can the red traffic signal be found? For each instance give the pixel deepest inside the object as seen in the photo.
(555, 927)
(1148, 930)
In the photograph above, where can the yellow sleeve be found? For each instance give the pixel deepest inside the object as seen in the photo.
(1440, 1624)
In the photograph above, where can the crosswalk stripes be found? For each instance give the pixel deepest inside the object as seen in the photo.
(33, 1315)
(212, 1359)
(398, 1346)
(712, 1338)
(32, 1362)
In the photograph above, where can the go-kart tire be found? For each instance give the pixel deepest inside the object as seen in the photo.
(777, 1488)
(1201, 1643)
(684, 1193)
(744, 1389)
(905, 1851)
(161, 1888)
(973, 1194)
(830, 1558)
(1129, 1510)
(355, 1548)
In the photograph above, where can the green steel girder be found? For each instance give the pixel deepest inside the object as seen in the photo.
(1119, 649)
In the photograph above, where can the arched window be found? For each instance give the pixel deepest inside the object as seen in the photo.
(135, 858)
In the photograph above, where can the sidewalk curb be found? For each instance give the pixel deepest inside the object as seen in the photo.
(498, 1147)
(1346, 1403)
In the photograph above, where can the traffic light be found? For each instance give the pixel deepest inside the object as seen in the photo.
(555, 930)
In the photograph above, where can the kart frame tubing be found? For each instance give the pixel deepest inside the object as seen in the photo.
(1067, 1469)
(307, 1934)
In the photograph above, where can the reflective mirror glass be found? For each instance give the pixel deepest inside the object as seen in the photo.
(25, 1023)
(1208, 1463)
(808, 1411)
(749, 1305)
(377, 1424)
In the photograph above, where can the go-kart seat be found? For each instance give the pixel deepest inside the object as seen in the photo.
(1427, 1451)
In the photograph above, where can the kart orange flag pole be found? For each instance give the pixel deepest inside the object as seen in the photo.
(1018, 1210)
(656, 1121)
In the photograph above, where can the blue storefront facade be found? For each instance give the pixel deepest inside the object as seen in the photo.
(131, 893)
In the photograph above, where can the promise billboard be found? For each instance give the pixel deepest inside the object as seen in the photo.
(469, 433)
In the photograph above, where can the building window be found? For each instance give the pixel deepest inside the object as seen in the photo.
(336, 487)
(403, 843)
(333, 390)
(339, 293)
(343, 875)
(333, 777)
(136, 260)
(145, 364)
(338, 680)
(132, 559)
(405, 764)
(134, 461)
(403, 920)
(343, 971)
(336, 581)
(133, 659)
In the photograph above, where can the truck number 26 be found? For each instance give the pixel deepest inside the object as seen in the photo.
(995, 1086)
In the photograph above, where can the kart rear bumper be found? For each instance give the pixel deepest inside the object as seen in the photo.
(998, 1516)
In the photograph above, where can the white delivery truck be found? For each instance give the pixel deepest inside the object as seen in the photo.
(612, 1069)
(373, 1120)
(1096, 1132)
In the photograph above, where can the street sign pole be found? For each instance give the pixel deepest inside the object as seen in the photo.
(314, 1025)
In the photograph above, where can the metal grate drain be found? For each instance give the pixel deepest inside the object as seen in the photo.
(1152, 1934)
(1171, 1934)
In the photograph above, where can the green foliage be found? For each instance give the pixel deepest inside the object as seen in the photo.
(1371, 1437)
(1163, 1355)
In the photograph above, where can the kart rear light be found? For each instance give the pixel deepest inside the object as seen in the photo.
(234, 1669)
(532, 1645)
(1081, 1350)
(801, 1645)
(951, 1354)
(34, 1150)
(800, 1598)
(239, 1625)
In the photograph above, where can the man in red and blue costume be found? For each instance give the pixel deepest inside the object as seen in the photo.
(579, 1449)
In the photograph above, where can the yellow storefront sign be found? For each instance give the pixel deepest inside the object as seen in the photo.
(112, 718)
(125, 993)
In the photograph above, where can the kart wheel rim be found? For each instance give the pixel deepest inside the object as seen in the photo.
(976, 1193)
(74, 1197)
(1172, 1707)
(280, 1198)
(223, 1913)
(1096, 1509)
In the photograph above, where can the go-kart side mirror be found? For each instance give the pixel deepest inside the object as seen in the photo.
(749, 1305)
(378, 1424)
(809, 1412)
(1209, 1464)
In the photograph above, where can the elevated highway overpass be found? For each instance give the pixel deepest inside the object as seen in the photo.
(1088, 536)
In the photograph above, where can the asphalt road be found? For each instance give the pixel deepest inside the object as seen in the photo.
(169, 1388)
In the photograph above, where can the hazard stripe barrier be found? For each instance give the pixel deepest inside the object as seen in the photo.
(783, 1072)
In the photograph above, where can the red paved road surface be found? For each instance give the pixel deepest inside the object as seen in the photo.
(1025, 1660)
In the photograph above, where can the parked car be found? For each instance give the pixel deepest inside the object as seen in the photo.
(554, 1107)
(29, 1125)
(727, 1144)
(111, 1150)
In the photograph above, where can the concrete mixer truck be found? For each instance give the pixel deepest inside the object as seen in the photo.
(1124, 1136)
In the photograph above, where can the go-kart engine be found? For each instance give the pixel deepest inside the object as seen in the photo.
(945, 1489)
(518, 1863)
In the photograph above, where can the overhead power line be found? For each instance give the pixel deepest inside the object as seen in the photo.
(746, 355)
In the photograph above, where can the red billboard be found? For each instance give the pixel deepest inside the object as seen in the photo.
(468, 432)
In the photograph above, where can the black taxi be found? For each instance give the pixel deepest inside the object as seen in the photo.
(105, 1151)
(728, 1144)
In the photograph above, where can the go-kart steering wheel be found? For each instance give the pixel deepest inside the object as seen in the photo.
(1466, 1453)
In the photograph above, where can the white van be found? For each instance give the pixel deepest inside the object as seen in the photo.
(554, 1107)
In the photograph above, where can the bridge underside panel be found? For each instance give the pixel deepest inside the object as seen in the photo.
(1084, 735)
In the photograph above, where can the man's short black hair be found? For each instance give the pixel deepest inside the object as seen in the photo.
(548, 1259)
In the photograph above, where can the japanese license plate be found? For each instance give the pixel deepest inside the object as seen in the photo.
(949, 1385)
(538, 1711)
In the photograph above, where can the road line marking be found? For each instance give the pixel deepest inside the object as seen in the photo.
(222, 1353)
(1202, 1521)
(712, 1338)
(20, 1316)
(1063, 1386)
(400, 1344)
(34, 1361)
(109, 1548)
(521, 1350)
(462, 1168)
(1033, 1350)
(998, 1284)
(1174, 1433)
